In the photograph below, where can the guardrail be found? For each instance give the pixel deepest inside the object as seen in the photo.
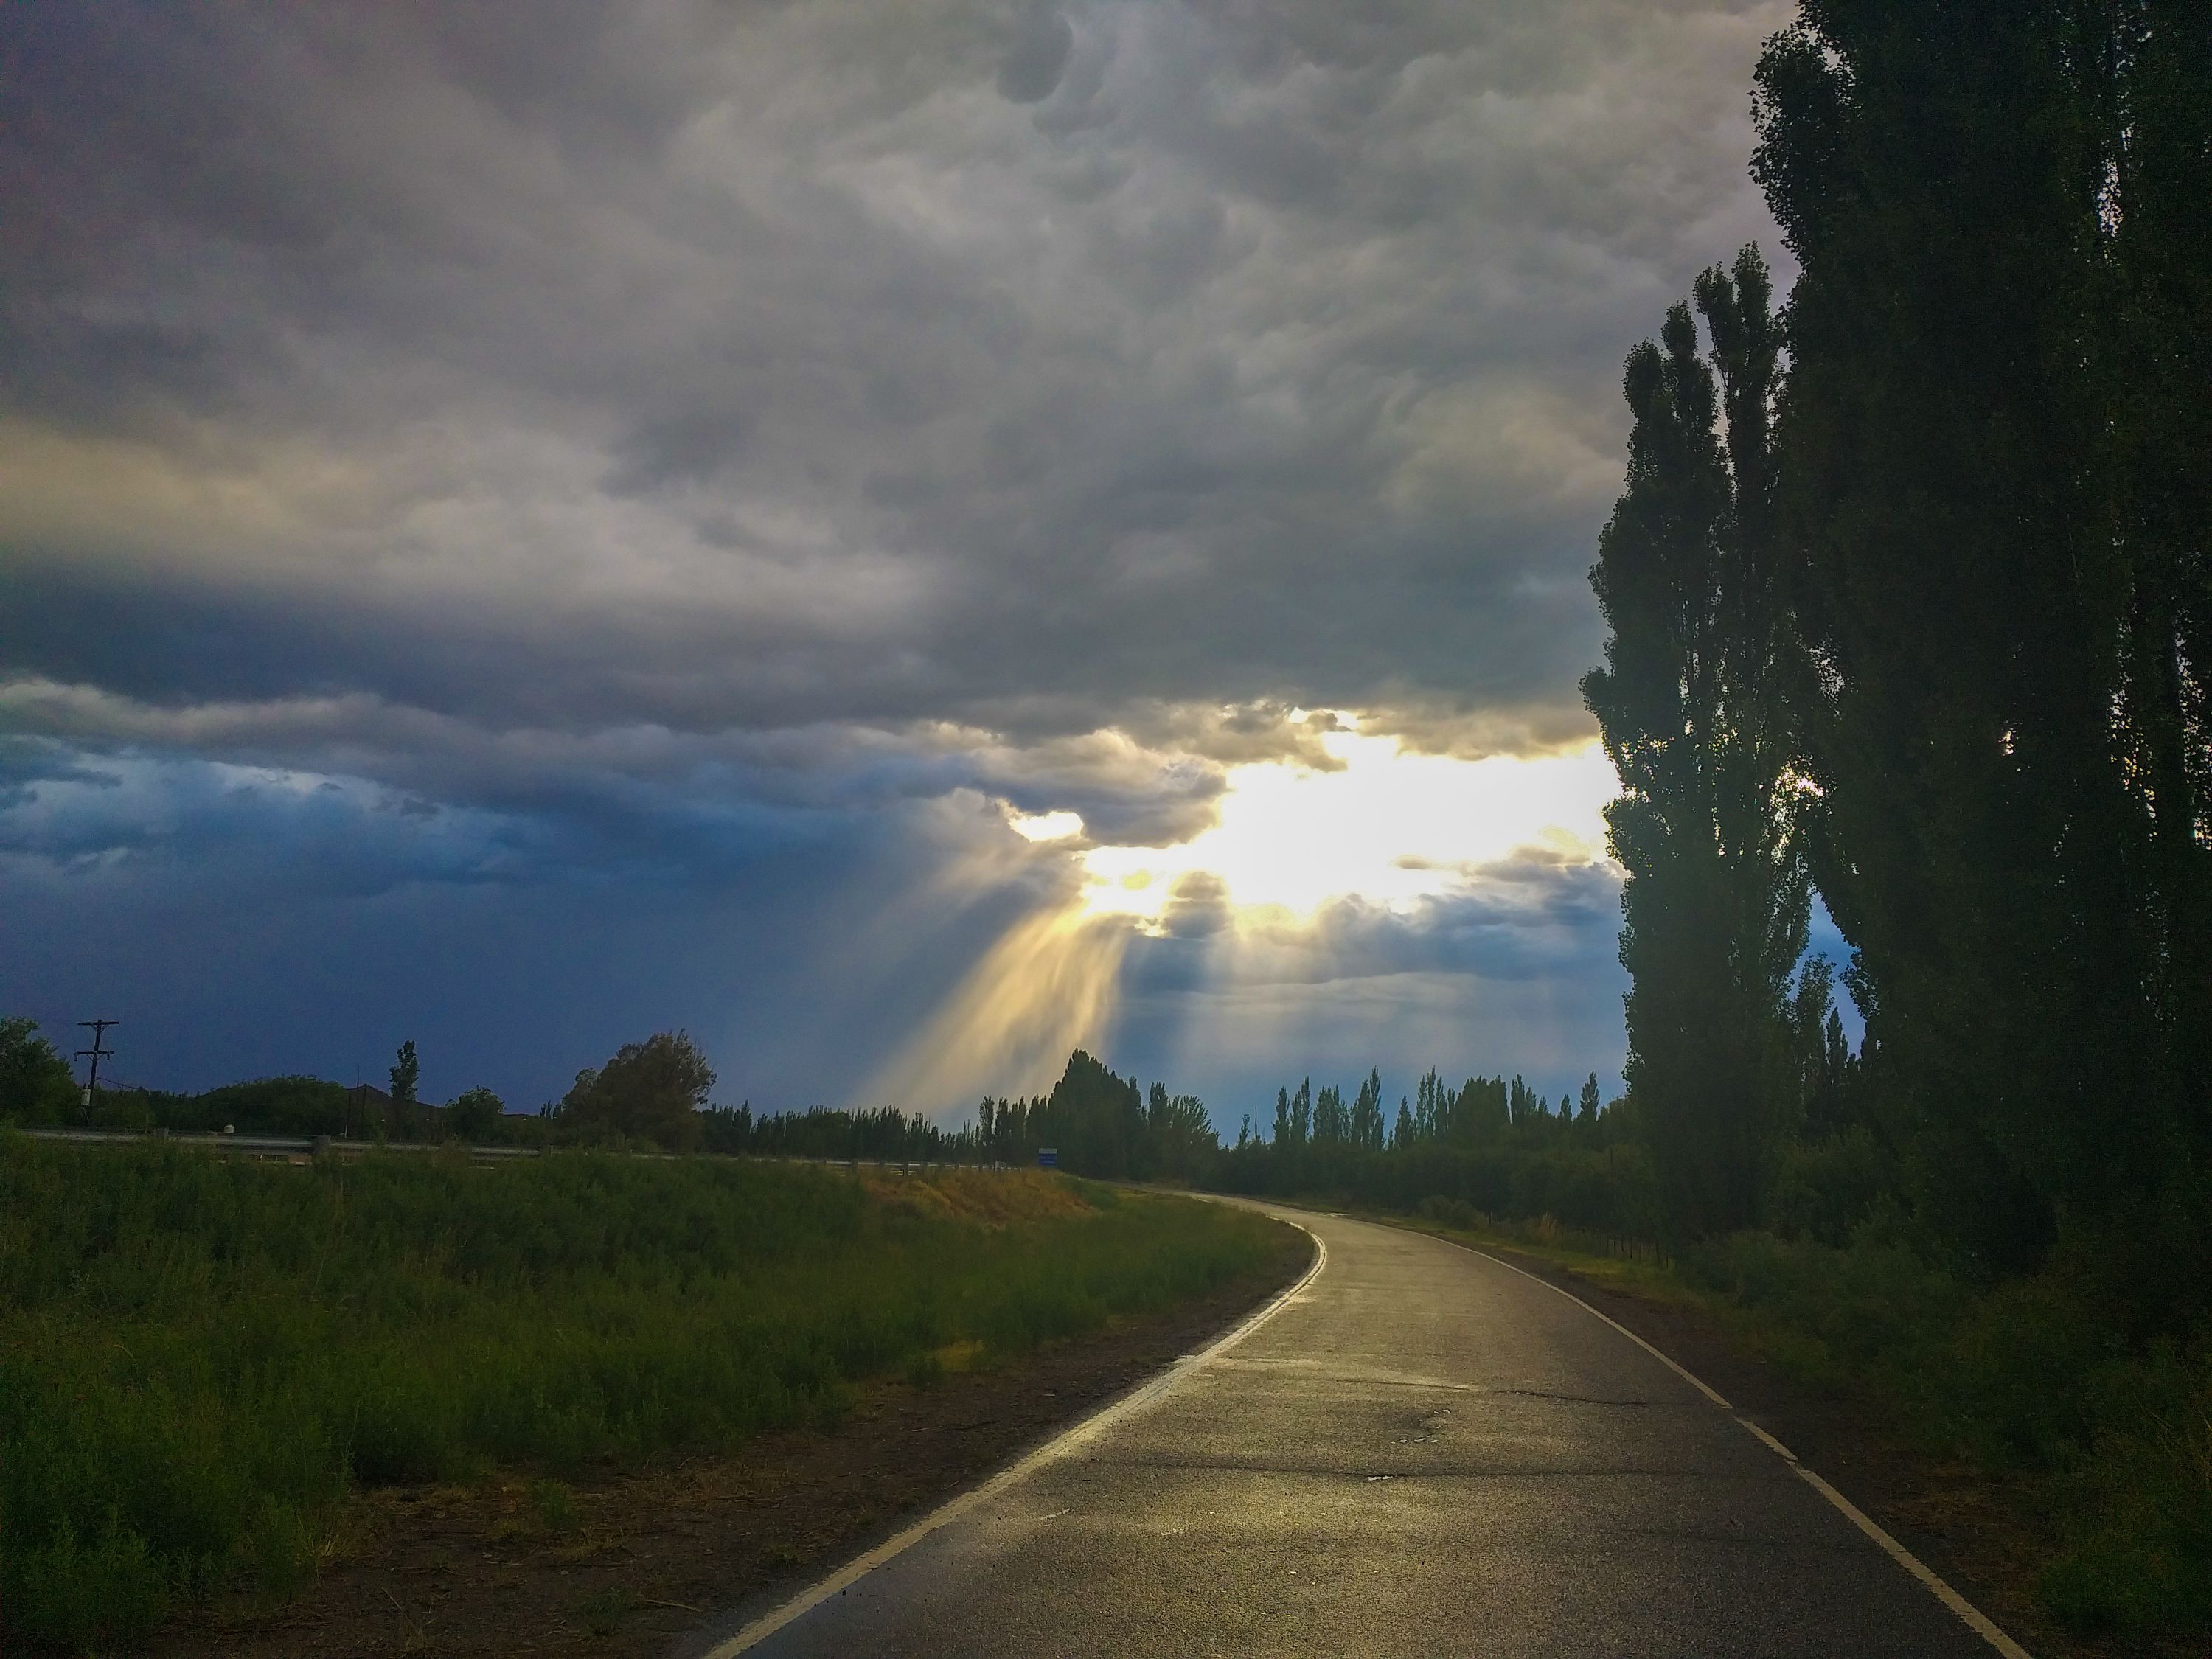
(302, 1151)
(284, 1146)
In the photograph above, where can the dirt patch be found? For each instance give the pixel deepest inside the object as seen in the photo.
(1982, 1536)
(627, 1563)
(996, 1198)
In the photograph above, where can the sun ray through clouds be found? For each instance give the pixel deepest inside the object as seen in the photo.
(1381, 826)
(1046, 987)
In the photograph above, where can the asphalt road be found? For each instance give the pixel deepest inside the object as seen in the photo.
(1422, 1452)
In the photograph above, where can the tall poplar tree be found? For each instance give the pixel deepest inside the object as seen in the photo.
(1995, 498)
(2156, 209)
(1366, 1126)
(1690, 705)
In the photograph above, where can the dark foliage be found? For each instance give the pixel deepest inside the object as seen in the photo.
(1492, 1144)
(1995, 496)
(35, 1085)
(887, 1135)
(1927, 619)
(1099, 1124)
(1690, 702)
(406, 1072)
(475, 1116)
(650, 1090)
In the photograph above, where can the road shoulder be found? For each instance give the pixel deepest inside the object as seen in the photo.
(1976, 1533)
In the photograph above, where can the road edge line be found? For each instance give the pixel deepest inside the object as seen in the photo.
(758, 1630)
(1967, 1613)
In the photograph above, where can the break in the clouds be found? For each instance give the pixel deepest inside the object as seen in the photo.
(533, 465)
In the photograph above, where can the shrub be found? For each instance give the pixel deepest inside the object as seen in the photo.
(474, 1116)
(35, 1085)
(650, 1090)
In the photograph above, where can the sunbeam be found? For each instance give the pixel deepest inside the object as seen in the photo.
(1386, 826)
(1046, 987)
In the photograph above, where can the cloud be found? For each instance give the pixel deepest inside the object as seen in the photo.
(1515, 972)
(675, 429)
(768, 366)
(1032, 68)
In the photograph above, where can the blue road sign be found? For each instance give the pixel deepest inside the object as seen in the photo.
(1047, 1157)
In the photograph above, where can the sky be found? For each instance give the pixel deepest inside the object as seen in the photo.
(898, 539)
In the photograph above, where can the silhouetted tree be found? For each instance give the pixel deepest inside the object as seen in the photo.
(1690, 703)
(36, 1086)
(1179, 1134)
(406, 1072)
(1332, 1123)
(1997, 499)
(650, 1090)
(1365, 1128)
(475, 1115)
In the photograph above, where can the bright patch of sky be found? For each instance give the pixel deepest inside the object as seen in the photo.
(1386, 825)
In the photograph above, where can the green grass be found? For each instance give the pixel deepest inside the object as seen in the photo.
(2109, 1439)
(200, 1356)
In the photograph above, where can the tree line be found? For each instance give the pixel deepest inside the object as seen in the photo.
(1491, 1144)
(1094, 1121)
(1482, 1111)
(652, 1094)
(1911, 607)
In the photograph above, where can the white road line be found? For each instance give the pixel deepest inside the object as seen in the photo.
(1089, 1429)
(1974, 1619)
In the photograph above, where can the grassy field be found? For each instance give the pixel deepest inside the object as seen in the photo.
(200, 1356)
(2111, 1439)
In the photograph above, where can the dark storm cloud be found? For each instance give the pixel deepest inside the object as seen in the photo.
(1004, 365)
(284, 948)
(652, 443)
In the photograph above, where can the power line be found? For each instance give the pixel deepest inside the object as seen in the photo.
(99, 1028)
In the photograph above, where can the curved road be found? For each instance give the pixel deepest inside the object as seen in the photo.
(1422, 1452)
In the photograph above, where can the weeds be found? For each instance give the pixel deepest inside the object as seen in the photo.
(603, 1611)
(553, 1504)
(199, 1357)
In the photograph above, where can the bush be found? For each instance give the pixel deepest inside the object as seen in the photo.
(87, 1593)
(1874, 1301)
(2139, 1555)
(1604, 1189)
(1825, 1190)
(474, 1116)
(304, 1107)
(652, 1090)
(35, 1085)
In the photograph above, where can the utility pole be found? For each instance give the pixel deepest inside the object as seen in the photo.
(96, 1053)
